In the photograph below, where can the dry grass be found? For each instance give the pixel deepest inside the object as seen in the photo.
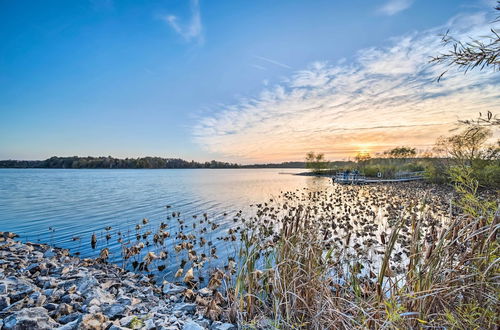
(287, 278)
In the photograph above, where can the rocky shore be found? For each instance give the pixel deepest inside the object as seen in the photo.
(43, 287)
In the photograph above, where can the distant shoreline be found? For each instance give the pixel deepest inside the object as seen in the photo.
(76, 162)
(170, 168)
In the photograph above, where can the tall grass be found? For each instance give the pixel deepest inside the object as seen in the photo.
(288, 278)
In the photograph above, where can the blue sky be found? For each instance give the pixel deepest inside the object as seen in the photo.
(210, 79)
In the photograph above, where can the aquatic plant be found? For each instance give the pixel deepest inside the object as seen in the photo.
(450, 277)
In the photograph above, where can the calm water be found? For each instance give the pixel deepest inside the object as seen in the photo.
(81, 202)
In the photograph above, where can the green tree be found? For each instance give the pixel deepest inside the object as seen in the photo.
(316, 162)
(468, 146)
(401, 152)
(469, 152)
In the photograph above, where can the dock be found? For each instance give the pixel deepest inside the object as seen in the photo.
(357, 178)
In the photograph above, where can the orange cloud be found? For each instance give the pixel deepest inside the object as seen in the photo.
(386, 97)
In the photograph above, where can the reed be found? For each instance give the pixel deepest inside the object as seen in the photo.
(288, 279)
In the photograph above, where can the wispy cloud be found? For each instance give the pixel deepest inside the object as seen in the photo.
(268, 60)
(193, 31)
(384, 97)
(393, 7)
(260, 67)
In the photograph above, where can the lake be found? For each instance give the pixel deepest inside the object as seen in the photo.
(55, 205)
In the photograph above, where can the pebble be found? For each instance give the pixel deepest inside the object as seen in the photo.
(191, 325)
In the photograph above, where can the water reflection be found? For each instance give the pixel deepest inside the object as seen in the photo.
(65, 207)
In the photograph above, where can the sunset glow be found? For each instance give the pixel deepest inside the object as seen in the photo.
(193, 85)
(385, 97)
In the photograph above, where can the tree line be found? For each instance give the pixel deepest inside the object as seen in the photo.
(111, 162)
(144, 162)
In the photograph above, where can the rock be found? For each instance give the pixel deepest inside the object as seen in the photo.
(185, 307)
(222, 326)
(33, 268)
(97, 293)
(69, 318)
(3, 288)
(149, 325)
(17, 306)
(85, 294)
(51, 283)
(205, 292)
(40, 300)
(191, 325)
(8, 234)
(170, 288)
(114, 311)
(94, 309)
(92, 322)
(86, 283)
(48, 292)
(125, 321)
(116, 327)
(50, 307)
(203, 322)
(93, 302)
(18, 295)
(69, 298)
(124, 300)
(64, 309)
(4, 302)
(30, 318)
(73, 325)
(49, 253)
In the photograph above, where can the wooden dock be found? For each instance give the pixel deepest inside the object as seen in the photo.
(356, 178)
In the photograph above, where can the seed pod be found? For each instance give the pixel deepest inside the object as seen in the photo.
(93, 241)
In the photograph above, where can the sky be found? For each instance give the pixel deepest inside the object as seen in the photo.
(241, 81)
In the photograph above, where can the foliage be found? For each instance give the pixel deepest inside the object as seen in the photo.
(488, 120)
(469, 151)
(401, 152)
(110, 162)
(466, 147)
(316, 162)
(472, 54)
(436, 171)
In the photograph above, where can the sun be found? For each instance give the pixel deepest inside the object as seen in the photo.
(364, 148)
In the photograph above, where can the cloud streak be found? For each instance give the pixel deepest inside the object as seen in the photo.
(268, 60)
(384, 97)
(393, 7)
(193, 31)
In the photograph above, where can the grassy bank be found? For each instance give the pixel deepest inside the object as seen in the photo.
(294, 274)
